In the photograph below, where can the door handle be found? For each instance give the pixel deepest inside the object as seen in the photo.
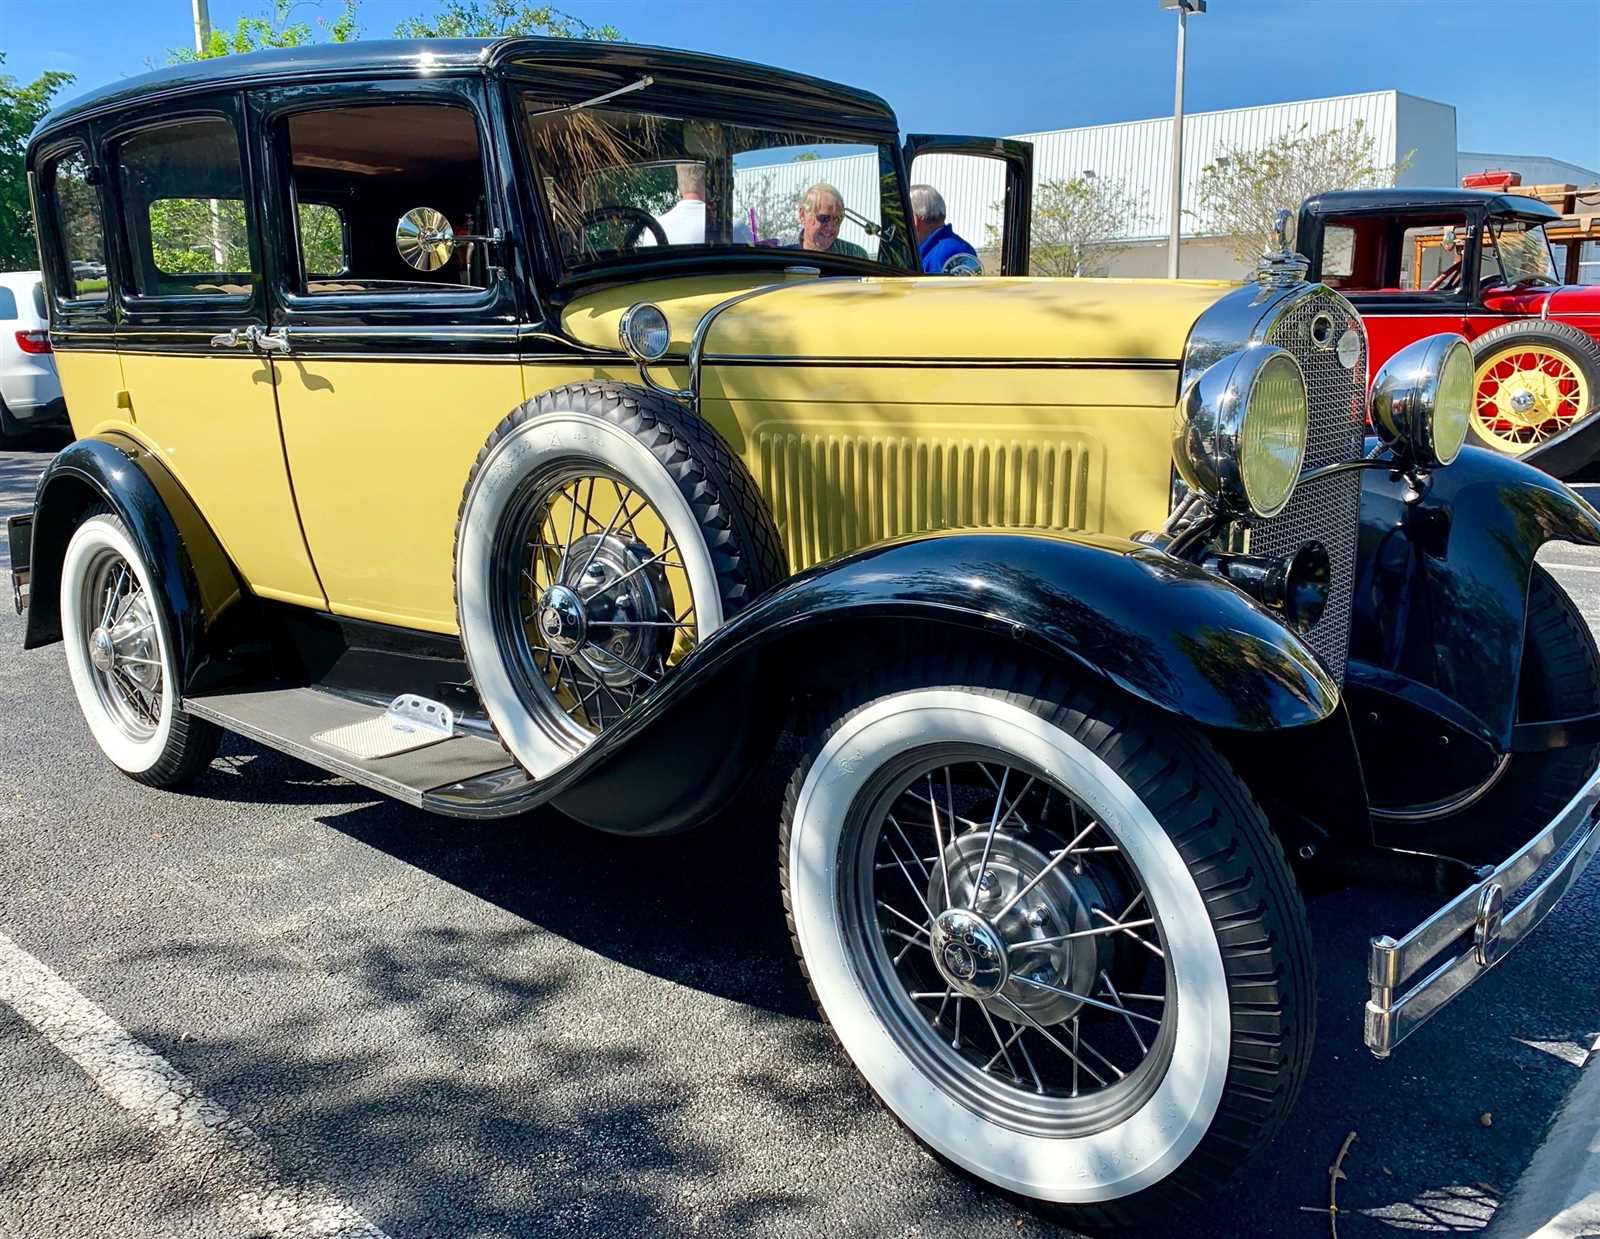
(253, 337)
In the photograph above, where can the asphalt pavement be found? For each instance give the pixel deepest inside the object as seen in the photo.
(275, 1003)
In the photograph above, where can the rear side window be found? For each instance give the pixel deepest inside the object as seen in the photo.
(8, 304)
(183, 207)
(75, 204)
(38, 300)
(378, 162)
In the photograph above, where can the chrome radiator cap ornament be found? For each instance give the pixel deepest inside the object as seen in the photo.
(1282, 267)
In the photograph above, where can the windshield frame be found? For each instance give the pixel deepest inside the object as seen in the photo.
(648, 262)
(1495, 225)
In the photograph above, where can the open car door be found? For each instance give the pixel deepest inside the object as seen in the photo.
(1002, 170)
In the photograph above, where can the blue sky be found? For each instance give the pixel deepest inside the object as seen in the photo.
(1011, 66)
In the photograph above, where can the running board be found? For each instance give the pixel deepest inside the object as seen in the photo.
(464, 776)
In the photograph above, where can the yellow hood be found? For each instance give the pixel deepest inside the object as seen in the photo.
(936, 317)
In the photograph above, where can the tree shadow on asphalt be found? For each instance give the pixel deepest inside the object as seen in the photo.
(703, 910)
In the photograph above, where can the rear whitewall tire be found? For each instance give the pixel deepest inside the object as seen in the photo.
(175, 747)
(1105, 1166)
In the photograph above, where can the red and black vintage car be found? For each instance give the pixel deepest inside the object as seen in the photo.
(1419, 261)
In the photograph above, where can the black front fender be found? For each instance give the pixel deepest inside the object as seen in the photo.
(1159, 629)
(1441, 598)
(193, 576)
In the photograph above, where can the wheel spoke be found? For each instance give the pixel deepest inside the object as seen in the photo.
(988, 842)
(1054, 861)
(1111, 989)
(1081, 933)
(910, 881)
(922, 868)
(944, 867)
(1086, 1000)
(1054, 1040)
(999, 1041)
(921, 929)
(1149, 946)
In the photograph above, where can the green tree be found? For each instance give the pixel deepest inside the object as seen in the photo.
(1075, 223)
(21, 108)
(491, 19)
(1242, 189)
(252, 34)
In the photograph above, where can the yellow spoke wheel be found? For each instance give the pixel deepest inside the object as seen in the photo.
(1531, 384)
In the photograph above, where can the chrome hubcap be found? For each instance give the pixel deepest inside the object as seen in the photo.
(969, 953)
(1522, 400)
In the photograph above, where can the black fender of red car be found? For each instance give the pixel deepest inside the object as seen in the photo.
(194, 580)
(1441, 598)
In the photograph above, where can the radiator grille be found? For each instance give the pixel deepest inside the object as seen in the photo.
(1327, 510)
(833, 492)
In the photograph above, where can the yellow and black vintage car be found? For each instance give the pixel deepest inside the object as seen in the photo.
(503, 424)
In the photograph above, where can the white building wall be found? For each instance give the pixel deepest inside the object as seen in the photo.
(1427, 131)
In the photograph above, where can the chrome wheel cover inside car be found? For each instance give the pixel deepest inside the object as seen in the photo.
(591, 592)
(1008, 942)
(124, 655)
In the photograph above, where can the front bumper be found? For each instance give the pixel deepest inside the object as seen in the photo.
(19, 546)
(1474, 931)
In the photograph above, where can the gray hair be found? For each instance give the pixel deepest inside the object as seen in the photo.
(927, 202)
(808, 203)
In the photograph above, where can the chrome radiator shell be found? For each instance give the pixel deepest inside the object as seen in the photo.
(1325, 509)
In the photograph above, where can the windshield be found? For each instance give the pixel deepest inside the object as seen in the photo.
(622, 184)
(1517, 252)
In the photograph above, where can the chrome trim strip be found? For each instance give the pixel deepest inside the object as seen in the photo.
(947, 363)
(1473, 920)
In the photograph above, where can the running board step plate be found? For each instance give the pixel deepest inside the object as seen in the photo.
(411, 722)
(294, 720)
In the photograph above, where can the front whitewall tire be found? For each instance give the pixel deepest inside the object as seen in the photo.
(1106, 1165)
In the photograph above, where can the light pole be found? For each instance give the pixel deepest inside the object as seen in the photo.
(202, 25)
(1184, 8)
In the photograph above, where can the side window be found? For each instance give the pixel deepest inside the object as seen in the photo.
(8, 304)
(324, 239)
(1338, 252)
(183, 207)
(356, 171)
(1431, 256)
(76, 206)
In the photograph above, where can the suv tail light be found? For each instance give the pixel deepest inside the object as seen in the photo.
(34, 341)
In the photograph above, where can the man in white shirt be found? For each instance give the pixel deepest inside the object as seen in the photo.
(685, 221)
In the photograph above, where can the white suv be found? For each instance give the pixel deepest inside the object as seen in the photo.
(30, 392)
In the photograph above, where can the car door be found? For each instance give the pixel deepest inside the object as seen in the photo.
(75, 248)
(193, 304)
(973, 174)
(401, 355)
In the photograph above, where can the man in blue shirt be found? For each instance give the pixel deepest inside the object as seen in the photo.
(939, 249)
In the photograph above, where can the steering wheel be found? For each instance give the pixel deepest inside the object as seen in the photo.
(640, 223)
(1450, 277)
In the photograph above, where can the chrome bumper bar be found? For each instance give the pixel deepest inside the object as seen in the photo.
(1474, 931)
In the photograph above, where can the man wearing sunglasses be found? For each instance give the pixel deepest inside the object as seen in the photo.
(821, 212)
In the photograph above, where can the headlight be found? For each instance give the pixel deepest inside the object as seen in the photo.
(1241, 430)
(1422, 399)
(644, 332)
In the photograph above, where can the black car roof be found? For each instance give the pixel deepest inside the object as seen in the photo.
(1345, 201)
(403, 57)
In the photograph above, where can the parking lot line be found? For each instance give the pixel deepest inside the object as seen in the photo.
(156, 1093)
